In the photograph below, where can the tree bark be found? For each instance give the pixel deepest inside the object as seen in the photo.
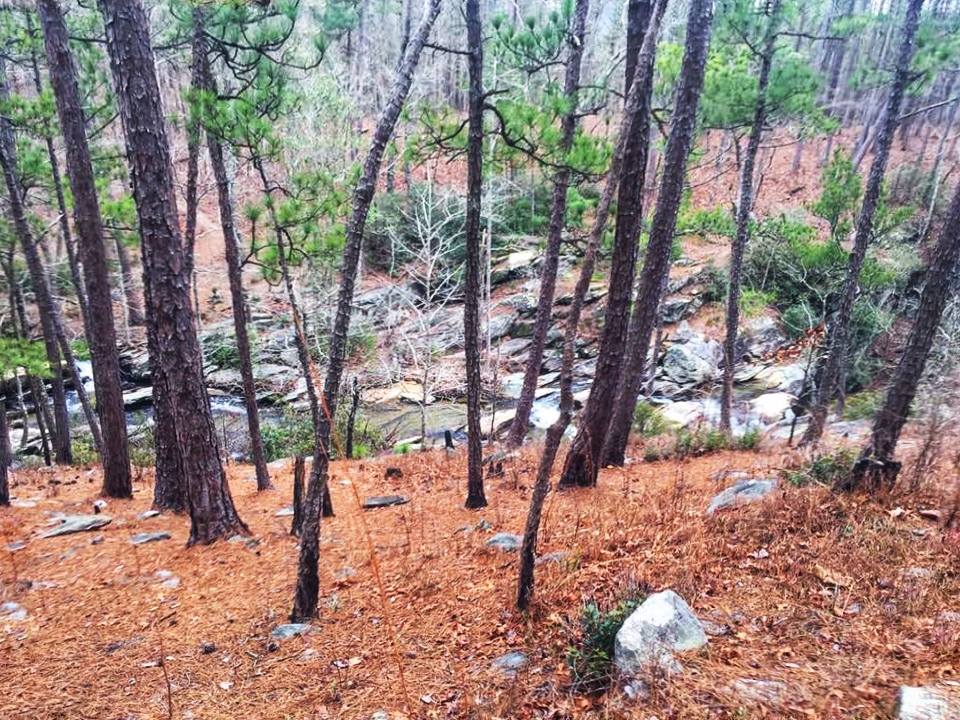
(876, 467)
(840, 328)
(38, 277)
(101, 333)
(193, 460)
(307, 592)
(471, 308)
(204, 81)
(744, 208)
(656, 264)
(6, 454)
(582, 461)
(558, 212)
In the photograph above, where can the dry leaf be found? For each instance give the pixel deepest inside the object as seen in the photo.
(828, 577)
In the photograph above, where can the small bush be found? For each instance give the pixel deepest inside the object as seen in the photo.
(863, 405)
(84, 453)
(648, 420)
(292, 436)
(824, 470)
(755, 302)
(750, 440)
(590, 661)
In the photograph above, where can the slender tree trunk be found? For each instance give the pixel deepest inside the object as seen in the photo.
(840, 327)
(41, 410)
(744, 208)
(299, 473)
(204, 81)
(471, 310)
(876, 467)
(193, 461)
(582, 461)
(6, 454)
(558, 212)
(38, 277)
(656, 264)
(307, 592)
(134, 306)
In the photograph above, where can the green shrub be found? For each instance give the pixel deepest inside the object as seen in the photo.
(755, 302)
(84, 453)
(862, 405)
(648, 420)
(750, 440)
(824, 470)
(590, 660)
(291, 436)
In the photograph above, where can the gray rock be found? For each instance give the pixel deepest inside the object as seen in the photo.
(284, 512)
(505, 542)
(761, 337)
(675, 309)
(147, 514)
(692, 359)
(97, 540)
(379, 501)
(745, 491)
(13, 611)
(760, 692)
(290, 630)
(380, 715)
(928, 703)
(661, 626)
(556, 557)
(138, 399)
(78, 523)
(141, 538)
(510, 663)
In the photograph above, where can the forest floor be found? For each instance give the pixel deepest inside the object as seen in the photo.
(838, 598)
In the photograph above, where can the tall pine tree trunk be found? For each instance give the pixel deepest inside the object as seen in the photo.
(471, 306)
(192, 457)
(558, 213)
(101, 334)
(582, 461)
(307, 592)
(656, 264)
(744, 207)
(876, 467)
(840, 327)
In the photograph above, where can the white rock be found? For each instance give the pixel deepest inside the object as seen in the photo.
(661, 626)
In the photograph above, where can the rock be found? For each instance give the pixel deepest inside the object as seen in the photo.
(675, 309)
(13, 611)
(771, 408)
(928, 703)
(715, 629)
(380, 715)
(290, 630)
(510, 663)
(692, 359)
(514, 346)
(142, 538)
(514, 266)
(500, 326)
(138, 399)
(556, 557)
(684, 413)
(499, 420)
(771, 693)
(78, 523)
(761, 337)
(505, 542)
(783, 378)
(743, 492)
(661, 626)
(406, 390)
(379, 501)
(97, 540)
(147, 514)
(284, 512)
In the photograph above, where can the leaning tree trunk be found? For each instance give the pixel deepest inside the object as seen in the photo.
(581, 463)
(656, 263)
(38, 277)
(583, 460)
(558, 212)
(308, 580)
(471, 306)
(194, 459)
(840, 328)
(744, 207)
(101, 334)
(876, 467)
(556, 431)
(204, 81)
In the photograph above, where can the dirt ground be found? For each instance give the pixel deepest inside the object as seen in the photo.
(838, 598)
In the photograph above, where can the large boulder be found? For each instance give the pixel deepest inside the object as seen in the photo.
(691, 359)
(663, 625)
(761, 337)
(771, 408)
(928, 703)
